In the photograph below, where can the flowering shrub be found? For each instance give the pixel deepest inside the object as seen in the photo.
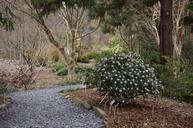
(125, 77)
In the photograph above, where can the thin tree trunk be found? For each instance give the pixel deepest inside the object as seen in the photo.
(22, 45)
(178, 45)
(52, 39)
(70, 59)
(71, 70)
(166, 27)
(72, 62)
(87, 29)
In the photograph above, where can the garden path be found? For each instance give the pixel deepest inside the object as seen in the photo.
(45, 108)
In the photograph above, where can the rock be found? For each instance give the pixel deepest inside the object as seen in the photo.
(86, 105)
(67, 96)
(77, 101)
(7, 102)
(62, 94)
(2, 106)
(82, 103)
(106, 124)
(100, 112)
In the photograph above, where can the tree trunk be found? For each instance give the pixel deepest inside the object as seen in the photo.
(71, 70)
(87, 29)
(166, 27)
(51, 38)
(70, 59)
(178, 43)
(72, 62)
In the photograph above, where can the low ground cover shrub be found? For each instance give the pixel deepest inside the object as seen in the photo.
(83, 59)
(58, 65)
(81, 71)
(90, 78)
(177, 78)
(176, 75)
(3, 89)
(97, 56)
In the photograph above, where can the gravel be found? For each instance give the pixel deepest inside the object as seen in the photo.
(46, 109)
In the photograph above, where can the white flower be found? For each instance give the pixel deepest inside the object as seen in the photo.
(146, 89)
(132, 75)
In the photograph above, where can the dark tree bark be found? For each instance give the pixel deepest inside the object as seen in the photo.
(165, 32)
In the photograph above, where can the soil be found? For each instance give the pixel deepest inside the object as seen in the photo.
(149, 113)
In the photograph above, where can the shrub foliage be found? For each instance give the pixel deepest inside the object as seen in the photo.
(124, 77)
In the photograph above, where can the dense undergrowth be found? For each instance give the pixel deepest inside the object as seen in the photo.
(176, 75)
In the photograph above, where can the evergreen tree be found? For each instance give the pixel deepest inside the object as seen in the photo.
(119, 13)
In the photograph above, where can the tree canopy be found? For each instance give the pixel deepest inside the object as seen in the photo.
(45, 7)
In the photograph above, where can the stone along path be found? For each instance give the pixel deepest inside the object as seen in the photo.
(45, 108)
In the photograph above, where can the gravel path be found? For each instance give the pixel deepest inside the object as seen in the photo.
(46, 109)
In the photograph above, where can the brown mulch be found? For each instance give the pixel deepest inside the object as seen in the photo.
(1, 100)
(149, 113)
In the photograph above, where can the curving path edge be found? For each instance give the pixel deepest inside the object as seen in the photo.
(45, 108)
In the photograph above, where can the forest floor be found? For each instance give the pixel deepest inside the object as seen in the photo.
(150, 113)
(44, 76)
